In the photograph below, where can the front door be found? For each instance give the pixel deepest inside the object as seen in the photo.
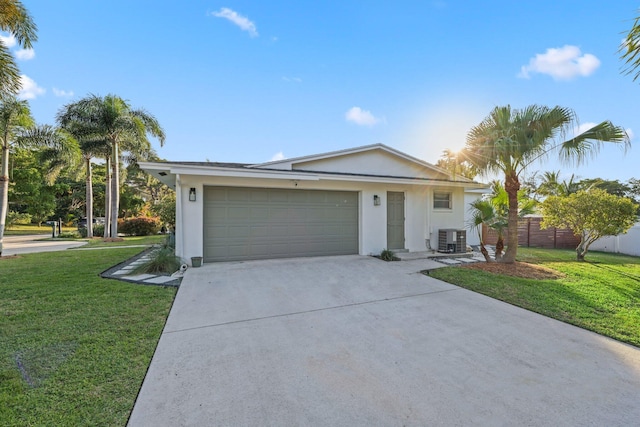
(395, 220)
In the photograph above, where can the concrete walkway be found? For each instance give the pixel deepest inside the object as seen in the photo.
(357, 341)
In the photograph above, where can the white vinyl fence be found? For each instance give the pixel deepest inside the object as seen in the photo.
(628, 243)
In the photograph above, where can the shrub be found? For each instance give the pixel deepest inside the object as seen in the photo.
(72, 234)
(98, 230)
(16, 218)
(387, 255)
(140, 226)
(162, 260)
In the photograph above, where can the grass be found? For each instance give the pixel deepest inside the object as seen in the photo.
(23, 230)
(97, 242)
(602, 295)
(74, 348)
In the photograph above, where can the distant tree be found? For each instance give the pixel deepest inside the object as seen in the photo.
(551, 185)
(15, 20)
(589, 214)
(17, 129)
(111, 119)
(509, 140)
(165, 209)
(614, 187)
(29, 193)
(454, 163)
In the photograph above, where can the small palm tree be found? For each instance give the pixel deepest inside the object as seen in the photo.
(509, 140)
(493, 211)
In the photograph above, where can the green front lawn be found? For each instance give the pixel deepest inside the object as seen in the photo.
(602, 295)
(23, 230)
(74, 348)
(127, 241)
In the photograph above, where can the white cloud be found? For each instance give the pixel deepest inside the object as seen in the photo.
(29, 88)
(583, 127)
(62, 93)
(241, 21)
(277, 156)
(361, 117)
(8, 40)
(25, 54)
(292, 79)
(629, 133)
(562, 63)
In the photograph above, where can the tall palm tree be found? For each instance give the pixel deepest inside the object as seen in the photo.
(112, 121)
(14, 19)
(509, 140)
(18, 128)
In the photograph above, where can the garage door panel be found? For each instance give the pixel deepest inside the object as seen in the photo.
(257, 223)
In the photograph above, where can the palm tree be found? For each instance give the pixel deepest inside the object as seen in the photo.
(14, 19)
(509, 140)
(630, 50)
(112, 121)
(18, 128)
(453, 162)
(492, 210)
(482, 212)
(551, 185)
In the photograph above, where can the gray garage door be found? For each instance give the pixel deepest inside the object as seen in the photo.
(261, 223)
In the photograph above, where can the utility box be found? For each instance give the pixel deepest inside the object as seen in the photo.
(452, 241)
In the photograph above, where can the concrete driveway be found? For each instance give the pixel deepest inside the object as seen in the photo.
(16, 245)
(354, 341)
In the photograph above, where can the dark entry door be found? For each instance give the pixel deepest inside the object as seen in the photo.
(395, 220)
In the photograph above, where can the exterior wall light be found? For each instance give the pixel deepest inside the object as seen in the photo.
(376, 200)
(192, 194)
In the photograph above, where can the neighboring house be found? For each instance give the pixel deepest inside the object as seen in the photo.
(355, 201)
(627, 243)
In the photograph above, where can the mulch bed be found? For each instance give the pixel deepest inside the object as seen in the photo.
(517, 269)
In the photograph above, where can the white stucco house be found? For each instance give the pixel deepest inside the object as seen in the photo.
(356, 201)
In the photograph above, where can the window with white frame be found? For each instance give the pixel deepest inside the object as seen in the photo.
(441, 200)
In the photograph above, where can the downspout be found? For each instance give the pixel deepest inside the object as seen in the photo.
(179, 235)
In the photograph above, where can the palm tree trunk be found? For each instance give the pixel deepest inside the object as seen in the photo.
(115, 187)
(499, 247)
(107, 198)
(89, 199)
(511, 186)
(4, 191)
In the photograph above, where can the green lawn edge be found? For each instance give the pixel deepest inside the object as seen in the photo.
(601, 295)
(74, 347)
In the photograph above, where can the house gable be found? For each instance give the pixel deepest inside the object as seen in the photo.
(374, 160)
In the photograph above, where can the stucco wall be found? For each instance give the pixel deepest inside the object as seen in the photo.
(421, 220)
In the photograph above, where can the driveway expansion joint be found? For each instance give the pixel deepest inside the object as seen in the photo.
(315, 310)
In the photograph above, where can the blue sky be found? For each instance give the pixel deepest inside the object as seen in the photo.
(249, 81)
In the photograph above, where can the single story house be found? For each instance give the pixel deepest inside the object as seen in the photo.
(356, 201)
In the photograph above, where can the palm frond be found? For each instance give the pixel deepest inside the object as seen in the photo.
(588, 143)
(630, 50)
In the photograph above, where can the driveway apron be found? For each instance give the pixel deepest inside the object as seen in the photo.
(356, 341)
